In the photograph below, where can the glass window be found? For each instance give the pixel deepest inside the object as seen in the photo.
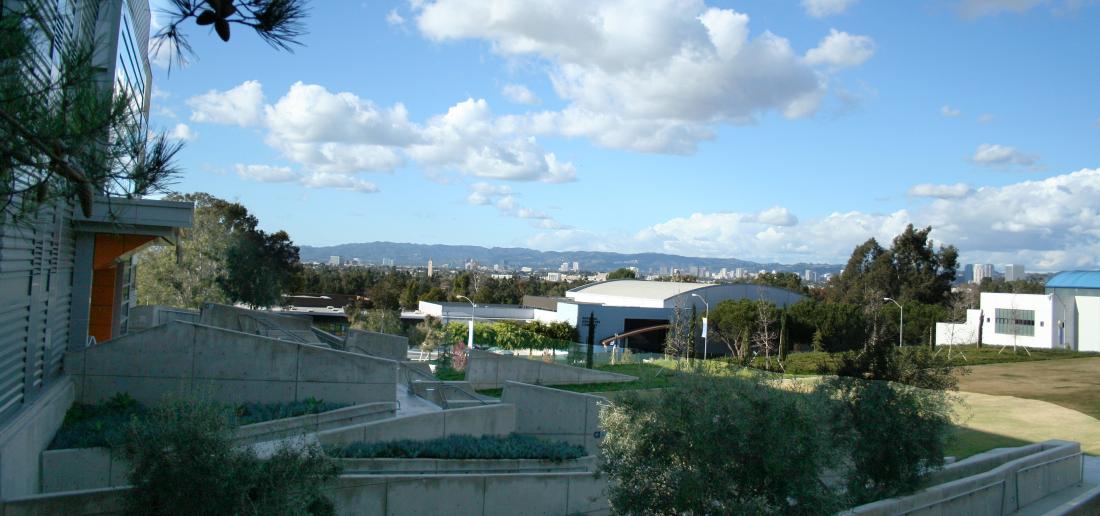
(1011, 321)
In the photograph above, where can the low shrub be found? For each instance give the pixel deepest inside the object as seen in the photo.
(185, 462)
(462, 447)
(96, 425)
(250, 413)
(104, 424)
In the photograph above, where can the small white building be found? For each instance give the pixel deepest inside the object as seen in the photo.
(1067, 316)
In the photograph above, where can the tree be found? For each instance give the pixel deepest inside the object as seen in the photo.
(65, 136)
(259, 268)
(277, 22)
(621, 273)
(187, 275)
(764, 336)
(787, 280)
(732, 322)
(912, 269)
(711, 445)
(221, 258)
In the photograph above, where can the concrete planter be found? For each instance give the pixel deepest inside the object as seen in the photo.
(310, 423)
(459, 466)
(91, 468)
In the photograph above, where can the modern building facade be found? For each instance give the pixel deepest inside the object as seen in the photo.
(66, 278)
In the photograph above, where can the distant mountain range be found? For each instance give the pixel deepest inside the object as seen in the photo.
(515, 257)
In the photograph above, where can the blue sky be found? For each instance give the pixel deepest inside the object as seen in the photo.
(764, 130)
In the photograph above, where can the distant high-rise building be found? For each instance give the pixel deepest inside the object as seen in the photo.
(335, 261)
(576, 266)
(564, 267)
(430, 271)
(1014, 272)
(982, 271)
(553, 276)
(740, 273)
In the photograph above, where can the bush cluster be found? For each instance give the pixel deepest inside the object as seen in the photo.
(757, 444)
(462, 447)
(104, 424)
(505, 335)
(185, 462)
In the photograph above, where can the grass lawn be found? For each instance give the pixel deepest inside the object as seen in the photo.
(968, 441)
(1074, 384)
(811, 362)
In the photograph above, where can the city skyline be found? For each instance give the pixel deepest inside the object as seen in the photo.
(763, 132)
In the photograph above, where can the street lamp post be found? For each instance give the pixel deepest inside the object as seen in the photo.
(473, 305)
(706, 319)
(901, 326)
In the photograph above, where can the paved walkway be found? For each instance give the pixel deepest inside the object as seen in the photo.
(410, 404)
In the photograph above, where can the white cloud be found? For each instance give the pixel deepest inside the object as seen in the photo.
(339, 182)
(823, 8)
(394, 18)
(1002, 156)
(241, 105)
(949, 111)
(266, 173)
(653, 76)
(507, 203)
(986, 118)
(842, 50)
(1049, 224)
(954, 191)
(337, 133)
(332, 134)
(183, 132)
(519, 94)
(470, 139)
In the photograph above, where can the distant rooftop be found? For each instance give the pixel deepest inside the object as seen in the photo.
(1075, 279)
(656, 290)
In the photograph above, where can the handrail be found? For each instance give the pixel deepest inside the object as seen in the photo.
(269, 326)
(439, 384)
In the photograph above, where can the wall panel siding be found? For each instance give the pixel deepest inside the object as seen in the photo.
(36, 264)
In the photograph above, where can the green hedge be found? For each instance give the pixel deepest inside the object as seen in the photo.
(513, 446)
(105, 424)
(502, 335)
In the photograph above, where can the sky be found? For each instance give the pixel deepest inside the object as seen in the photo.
(771, 130)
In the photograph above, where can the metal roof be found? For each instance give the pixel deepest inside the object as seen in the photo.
(1075, 279)
(658, 290)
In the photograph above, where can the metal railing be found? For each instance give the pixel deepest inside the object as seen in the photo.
(262, 324)
(443, 388)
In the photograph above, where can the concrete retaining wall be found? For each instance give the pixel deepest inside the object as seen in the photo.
(93, 468)
(556, 415)
(1086, 504)
(147, 316)
(452, 466)
(251, 321)
(383, 345)
(487, 495)
(1001, 490)
(226, 366)
(498, 419)
(485, 370)
(99, 502)
(24, 437)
